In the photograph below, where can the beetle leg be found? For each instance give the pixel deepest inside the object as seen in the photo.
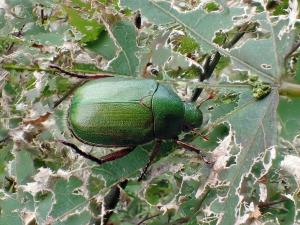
(192, 148)
(117, 154)
(154, 153)
(110, 157)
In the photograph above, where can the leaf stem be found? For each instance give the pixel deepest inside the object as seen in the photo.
(54, 70)
(212, 61)
(25, 68)
(293, 49)
(289, 89)
(270, 204)
(147, 218)
(88, 72)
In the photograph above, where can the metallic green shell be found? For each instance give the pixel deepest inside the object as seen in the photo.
(113, 112)
(125, 112)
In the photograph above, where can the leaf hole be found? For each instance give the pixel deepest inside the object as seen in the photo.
(212, 7)
(231, 161)
(242, 17)
(266, 66)
(185, 6)
(77, 192)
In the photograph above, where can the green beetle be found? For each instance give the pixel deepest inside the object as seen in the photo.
(129, 112)
(116, 112)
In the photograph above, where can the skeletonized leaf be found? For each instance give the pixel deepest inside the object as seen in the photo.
(200, 24)
(264, 57)
(255, 128)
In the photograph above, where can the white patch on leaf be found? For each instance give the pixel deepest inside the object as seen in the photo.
(64, 174)
(29, 218)
(220, 157)
(39, 79)
(269, 156)
(263, 192)
(272, 155)
(251, 216)
(266, 158)
(40, 183)
(171, 206)
(84, 58)
(293, 11)
(291, 164)
(3, 5)
(292, 16)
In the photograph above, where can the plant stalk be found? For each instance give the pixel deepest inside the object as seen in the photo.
(289, 89)
(53, 70)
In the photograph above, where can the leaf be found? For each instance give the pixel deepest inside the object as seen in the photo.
(89, 28)
(287, 110)
(187, 45)
(254, 120)
(120, 169)
(119, 46)
(9, 211)
(38, 34)
(103, 45)
(67, 197)
(44, 202)
(23, 13)
(16, 208)
(5, 157)
(76, 219)
(202, 28)
(3, 133)
(126, 62)
(130, 165)
(2, 18)
(24, 167)
(264, 57)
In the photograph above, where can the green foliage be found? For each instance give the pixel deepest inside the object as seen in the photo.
(250, 132)
(211, 6)
(279, 8)
(187, 45)
(89, 28)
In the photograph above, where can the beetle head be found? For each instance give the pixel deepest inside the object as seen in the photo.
(192, 116)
